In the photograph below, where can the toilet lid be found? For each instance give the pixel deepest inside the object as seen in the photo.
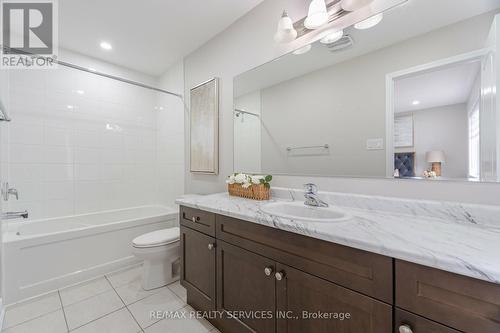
(157, 238)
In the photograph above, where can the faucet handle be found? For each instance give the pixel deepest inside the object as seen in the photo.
(13, 191)
(311, 188)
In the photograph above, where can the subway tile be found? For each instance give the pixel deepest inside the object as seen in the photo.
(56, 136)
(21, 153)
(88, 155)
(57, 172)
(88, 171)
(58, 154)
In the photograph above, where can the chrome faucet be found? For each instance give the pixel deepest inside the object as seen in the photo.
(14, 215)
(8, 191)
(311, 195)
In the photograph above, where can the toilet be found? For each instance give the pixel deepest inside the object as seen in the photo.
(160, 251)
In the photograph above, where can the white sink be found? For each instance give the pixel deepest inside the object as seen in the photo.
(298, 211)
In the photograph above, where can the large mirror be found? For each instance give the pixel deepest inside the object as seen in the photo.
(412, 97)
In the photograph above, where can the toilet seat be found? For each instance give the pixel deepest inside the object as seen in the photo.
(157, 238)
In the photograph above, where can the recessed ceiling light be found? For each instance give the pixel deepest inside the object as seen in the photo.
(302, 50)
(415, 102)
(70, 107)
(369, 22)
(79, 92)
(106, 46)
(331, 36)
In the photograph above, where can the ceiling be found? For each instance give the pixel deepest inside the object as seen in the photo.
(414, 18)
(148, 35)
(448, 86)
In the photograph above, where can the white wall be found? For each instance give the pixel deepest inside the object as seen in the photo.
(69, 152)
(248, 43)
(247, 142)
(443, 128)
(170, 136)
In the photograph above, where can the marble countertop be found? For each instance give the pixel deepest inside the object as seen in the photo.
(469, 249)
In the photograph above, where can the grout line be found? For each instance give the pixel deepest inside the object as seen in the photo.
(28, 320)
(126, 307)
(63, 311)
(107, 314)
(86, 298)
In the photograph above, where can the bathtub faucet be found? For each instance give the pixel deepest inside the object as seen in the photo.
(14, 215)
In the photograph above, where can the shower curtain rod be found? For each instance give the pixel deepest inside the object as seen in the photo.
(117, 78)
(109, 76)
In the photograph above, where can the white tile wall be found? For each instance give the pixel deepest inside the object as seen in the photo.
(80, 143)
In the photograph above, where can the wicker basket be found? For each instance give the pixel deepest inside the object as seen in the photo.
(255, 192)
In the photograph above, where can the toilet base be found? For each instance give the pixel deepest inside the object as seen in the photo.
(158, 273)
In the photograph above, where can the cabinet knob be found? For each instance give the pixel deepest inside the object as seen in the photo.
(279, 276)
(268, 271)
(211, 246)
(405, 329)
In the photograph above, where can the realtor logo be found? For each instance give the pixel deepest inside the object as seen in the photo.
(29, 34)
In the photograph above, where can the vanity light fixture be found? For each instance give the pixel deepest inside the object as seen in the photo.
(303, 49)
(106, 46)
(317, 15)
(353, 5)
(286, 32)
(331, 36)
(415, 102)
(369, 22)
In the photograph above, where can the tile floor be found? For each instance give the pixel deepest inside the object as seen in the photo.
(112, 303)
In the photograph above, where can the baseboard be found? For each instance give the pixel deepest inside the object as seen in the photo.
(46, 286)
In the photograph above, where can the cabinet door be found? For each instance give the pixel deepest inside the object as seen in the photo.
(244, 284)
(302, 297)
(198, 268)
(417, 324)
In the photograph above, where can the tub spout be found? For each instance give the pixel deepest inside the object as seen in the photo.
(14, 215)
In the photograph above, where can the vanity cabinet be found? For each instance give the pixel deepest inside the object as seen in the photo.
(460, 302)
(305, 296)
(406, 322)
(198, 257)
(245, 282)
(280, 282)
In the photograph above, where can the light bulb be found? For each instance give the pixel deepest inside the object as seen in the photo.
(352, 5)
(369, 22)
(331, 36)
(317, 15)
(286, 32)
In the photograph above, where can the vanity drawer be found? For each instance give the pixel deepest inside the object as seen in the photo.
(418, 324)
(464, 303)
(364, 272)
(198, 220)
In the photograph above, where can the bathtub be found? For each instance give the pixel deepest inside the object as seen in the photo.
(48, 254)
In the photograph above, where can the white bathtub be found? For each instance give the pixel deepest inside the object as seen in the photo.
(44, 255)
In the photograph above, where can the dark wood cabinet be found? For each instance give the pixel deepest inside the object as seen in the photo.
(320, 306)
(461, 302)
(198, 257)
(368, 273)
(243, 285)
(265, 280)
(418, 324)
(198, 220)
